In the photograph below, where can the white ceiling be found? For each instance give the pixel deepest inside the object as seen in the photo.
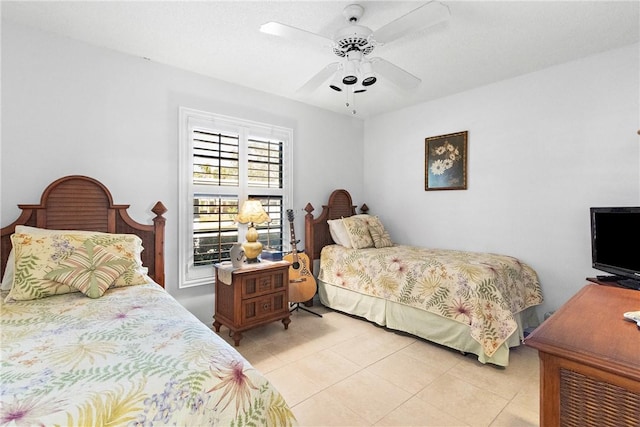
(483, 41)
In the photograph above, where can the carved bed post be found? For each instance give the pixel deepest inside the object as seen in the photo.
(308, 233)
(158, 224)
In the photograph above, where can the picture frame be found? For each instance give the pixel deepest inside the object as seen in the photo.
(446, 162)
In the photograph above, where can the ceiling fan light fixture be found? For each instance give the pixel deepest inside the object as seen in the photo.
(359, 88)
(368, 81)
(350, 76)
(368, 77)
(350, 80)
(336, 83)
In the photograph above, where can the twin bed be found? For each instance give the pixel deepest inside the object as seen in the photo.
(477, 303)
(89, 335)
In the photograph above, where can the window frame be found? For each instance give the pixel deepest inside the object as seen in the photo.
(190, 119)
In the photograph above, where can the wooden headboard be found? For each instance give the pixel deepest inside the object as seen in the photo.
(78, 202)
(316, 230)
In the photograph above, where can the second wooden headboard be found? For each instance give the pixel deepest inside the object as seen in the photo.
(316, 230)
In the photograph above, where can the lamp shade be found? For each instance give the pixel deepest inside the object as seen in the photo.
(252, 212)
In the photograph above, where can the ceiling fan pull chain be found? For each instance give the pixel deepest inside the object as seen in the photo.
(351, 100)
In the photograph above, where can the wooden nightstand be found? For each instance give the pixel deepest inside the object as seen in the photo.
(251, 296)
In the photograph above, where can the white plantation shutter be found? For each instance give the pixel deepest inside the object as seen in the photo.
(225, 161)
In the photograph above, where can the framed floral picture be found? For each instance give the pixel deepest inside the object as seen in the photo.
(445, 160)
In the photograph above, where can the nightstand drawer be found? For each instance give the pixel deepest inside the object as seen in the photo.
(259, 284)
(263, 307)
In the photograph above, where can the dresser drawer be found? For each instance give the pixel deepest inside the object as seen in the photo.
(260, 309)
(254, 285)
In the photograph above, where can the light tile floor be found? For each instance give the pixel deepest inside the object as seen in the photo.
(343, 371)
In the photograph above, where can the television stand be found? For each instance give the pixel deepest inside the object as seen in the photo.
(616, 281)
(630, 284)
(609, 278)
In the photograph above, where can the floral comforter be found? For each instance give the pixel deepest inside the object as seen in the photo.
(481, 290)
(134, 356)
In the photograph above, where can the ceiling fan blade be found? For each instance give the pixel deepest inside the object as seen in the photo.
(395, 74)
(321, 77)
(289, 32)
(427, 15)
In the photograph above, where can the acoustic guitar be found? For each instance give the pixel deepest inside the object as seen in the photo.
(302, 284)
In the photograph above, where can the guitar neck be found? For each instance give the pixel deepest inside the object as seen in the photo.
(294, 246)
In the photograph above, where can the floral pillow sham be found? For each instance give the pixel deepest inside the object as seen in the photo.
(40, 260)
(358, 231)
(379, 234)
(364, 231)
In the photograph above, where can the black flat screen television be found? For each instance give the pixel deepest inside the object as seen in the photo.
(615, 241)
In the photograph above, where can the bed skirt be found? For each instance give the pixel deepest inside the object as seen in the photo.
(422, 323)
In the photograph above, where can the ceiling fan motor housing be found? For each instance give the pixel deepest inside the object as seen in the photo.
(353, 37)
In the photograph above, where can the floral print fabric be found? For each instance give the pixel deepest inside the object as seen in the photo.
(358, 230)
(90, 269)
(134, 356)
(36, 255)
(380, 236)
(481, 290)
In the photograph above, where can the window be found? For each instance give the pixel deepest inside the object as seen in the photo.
(223, 162)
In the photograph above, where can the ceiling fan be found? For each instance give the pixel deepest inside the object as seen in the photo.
(355, 71)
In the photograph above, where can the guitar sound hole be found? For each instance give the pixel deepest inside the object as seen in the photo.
(296, 265)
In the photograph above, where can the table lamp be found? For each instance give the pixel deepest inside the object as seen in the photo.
(252, 212)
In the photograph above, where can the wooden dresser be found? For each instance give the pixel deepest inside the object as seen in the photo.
(590, 360)
(251, 296)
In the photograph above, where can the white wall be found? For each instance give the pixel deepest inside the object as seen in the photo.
(542, 149)
(71, 108)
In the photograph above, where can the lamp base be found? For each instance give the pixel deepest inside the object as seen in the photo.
(252, 260)
(252, 251)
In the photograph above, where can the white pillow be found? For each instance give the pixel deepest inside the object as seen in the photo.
(339, 232)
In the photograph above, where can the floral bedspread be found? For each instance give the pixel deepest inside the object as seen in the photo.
(134, 356)
(481, 290)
